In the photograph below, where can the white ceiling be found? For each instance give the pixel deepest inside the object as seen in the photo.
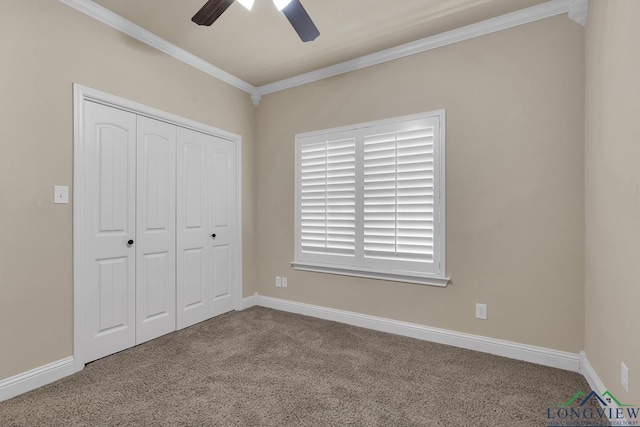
(261, 47)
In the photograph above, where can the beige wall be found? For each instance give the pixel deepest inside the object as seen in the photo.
(515, 142)
(515, 217)
(46, 46)
(613, 193)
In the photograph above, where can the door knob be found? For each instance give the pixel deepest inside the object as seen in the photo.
(213, 235)
(130, 242)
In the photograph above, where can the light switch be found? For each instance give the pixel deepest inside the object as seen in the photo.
(60, 194)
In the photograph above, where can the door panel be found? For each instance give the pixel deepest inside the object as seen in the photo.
(194, 190)
(155, 225)
(204, 197)
(112, 161)
(221, 272)
(194, 286)
(193, 272)
(112, 292)
(109, 280)
(221, 187)
(155, 287)
(221, 195)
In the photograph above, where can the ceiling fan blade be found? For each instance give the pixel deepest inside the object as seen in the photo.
(301, 21)
(211, 11)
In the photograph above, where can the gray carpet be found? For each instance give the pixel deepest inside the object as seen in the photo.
(262, 367)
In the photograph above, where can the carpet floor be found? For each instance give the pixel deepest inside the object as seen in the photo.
(263, 367)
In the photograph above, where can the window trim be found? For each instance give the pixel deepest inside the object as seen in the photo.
(400, 275)
(368, 273)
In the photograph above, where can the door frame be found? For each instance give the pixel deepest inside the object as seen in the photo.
(80, 95)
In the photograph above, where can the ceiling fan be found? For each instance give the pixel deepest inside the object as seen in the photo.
(292, 9)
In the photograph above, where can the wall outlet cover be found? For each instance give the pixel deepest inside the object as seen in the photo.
(481, 311)
(60, 194)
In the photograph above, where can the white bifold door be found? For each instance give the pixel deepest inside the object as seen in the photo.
(155, 245)
(205, 227)
(158, 228)
(110, 223)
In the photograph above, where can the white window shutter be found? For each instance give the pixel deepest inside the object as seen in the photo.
(380, 172)
(313, 184)
(370, 200)
(415, 195)
(327, 197)
(399, 195)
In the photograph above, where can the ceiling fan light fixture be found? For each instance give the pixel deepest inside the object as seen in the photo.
(281, 4)
(292, 9)
(247, 3)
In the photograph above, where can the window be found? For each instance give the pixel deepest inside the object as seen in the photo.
(370, 200)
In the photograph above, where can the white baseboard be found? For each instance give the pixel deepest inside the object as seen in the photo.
(597, 385)
(30, 380)
(590, 375)
(43, 375)
(247, 302)
(539, 355)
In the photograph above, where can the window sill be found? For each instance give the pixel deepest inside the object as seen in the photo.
(406, 277)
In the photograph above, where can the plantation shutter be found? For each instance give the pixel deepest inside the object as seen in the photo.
(370, 200)
(399, 194)
(327, 197)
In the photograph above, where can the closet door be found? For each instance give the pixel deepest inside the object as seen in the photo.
(222, 202)
(205, 261)
(155, 229)
(109, 230)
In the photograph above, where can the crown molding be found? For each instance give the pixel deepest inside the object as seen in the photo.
(503, 22)
(137, 32)
(256, 97)
(577, 10)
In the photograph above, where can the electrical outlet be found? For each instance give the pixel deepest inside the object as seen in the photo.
(284, 282)
(481, 311)
(624, 376)
(278, 282)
